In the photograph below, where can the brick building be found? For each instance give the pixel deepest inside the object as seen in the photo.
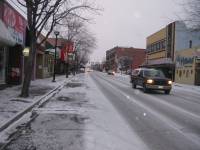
(124, 58)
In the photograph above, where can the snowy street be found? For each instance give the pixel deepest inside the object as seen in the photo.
(103, 112)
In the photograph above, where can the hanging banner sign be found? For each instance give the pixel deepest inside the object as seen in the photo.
(14, 23)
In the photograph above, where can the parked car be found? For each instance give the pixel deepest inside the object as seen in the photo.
(81, 70)
(150, 79)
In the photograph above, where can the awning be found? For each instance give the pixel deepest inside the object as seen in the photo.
(198, 67)
(6, 38)
(51, 52)
(158, 62)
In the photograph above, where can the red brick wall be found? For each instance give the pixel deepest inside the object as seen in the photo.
(138, 55)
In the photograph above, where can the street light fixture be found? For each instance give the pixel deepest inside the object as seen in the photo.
(56, 33)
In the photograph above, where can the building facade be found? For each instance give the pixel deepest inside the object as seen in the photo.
(11, 56)
(163, 45)
(124, 58)
(187, 69)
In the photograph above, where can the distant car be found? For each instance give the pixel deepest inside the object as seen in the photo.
(111, 72)
(150, 79)
(89, 70)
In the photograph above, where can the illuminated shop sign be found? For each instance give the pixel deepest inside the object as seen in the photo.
(26, 51)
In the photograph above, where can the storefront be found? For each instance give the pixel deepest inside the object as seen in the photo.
(49, 61)
(187, 69)
(14, 57)
(6, 41)
(61, 62)
(166, 65)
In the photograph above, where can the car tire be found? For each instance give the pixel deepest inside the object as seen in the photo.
(134, 85)
(167, 91)
(145, 90)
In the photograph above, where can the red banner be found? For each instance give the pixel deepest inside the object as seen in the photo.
(12, 19)
(69, 48)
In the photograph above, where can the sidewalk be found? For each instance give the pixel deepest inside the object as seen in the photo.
(13, 107)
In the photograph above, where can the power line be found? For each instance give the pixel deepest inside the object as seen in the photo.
(19, 7)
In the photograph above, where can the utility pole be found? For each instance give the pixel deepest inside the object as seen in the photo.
(67, 66)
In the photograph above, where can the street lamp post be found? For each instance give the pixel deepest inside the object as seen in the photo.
(56, 33)
(131, 65)
(147, 59)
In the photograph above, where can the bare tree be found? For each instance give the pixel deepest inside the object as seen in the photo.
(46, 14)
(190, 16)
(190, 9)
(84, 41)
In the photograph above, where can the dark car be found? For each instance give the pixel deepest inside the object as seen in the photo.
(151, 79)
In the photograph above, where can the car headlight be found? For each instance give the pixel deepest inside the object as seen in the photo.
(149, 81)
(113, 72)
(170, 82)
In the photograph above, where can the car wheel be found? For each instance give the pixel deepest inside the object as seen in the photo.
(167, 91)
(145, 90)
(134, 85)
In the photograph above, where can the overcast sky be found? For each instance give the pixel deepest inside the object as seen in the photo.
(129, 22)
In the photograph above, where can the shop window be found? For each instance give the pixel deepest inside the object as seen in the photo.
(191, 71)
(180, 73)
(187, 73)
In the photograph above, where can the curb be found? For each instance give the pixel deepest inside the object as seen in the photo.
(37, 102)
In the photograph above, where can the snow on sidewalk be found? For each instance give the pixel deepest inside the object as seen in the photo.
(11, 103)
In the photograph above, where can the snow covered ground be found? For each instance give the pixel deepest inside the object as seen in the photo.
(11, 105)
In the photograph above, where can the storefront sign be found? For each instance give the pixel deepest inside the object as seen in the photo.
(51, 52)
(198, 54)
(14, 23)
(16, 35)
(182, 61)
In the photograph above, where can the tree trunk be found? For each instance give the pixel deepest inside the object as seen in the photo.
(67, 70)
(29, 69)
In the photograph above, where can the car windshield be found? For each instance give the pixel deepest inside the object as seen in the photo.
(153, 73)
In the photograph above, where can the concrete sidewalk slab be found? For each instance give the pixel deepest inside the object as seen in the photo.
(12, 107)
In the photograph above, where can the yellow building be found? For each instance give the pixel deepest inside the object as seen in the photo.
(160, 50)
(187, 69)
